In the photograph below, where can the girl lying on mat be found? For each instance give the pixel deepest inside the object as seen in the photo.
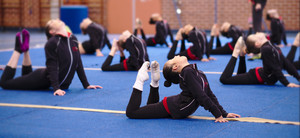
(199, 48)
(228, 30)
(273, 63)
(62, 61)
(98, 38)
(195, 92)
(137, 49)
(162, 29)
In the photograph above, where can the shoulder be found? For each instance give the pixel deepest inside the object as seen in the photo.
(188, 71)
(93, 27)
(266, 48)
(73, 37)
(52, 42)
(192, 33)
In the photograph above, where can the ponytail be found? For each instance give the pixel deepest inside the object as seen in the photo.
(170, 76)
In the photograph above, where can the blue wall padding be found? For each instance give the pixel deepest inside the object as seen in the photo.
(73, 15)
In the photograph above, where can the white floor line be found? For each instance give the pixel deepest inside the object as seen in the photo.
(99, 69)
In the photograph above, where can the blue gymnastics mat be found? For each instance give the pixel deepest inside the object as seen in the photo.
(269, 102)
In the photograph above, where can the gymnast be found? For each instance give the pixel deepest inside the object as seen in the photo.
(62, 61)
(195, 92)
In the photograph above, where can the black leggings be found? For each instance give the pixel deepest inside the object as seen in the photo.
(257, 17)
(291, 56)
(148, 41)
(172, 51)
(116, 67)
(107, 42)
(153, 109)
(242, 76)
(220, 50)
(30, 80)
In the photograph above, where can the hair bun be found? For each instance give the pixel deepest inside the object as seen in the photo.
(167, 84)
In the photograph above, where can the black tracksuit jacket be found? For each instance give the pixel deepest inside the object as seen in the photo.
(273, 63)
(97, 36)
(162, 31)
(200, 44)
(234, 32)
(137, 49)
(195, 92)
(62, 61)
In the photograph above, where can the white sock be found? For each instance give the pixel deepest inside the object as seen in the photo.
(142, 76)
(155, 74)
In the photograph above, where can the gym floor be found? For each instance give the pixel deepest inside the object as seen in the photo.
(100, 113)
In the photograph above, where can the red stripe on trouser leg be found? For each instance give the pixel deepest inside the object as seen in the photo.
(190, 54)
(166, 105)
(230, 46)
(125, 64)
(260, 80)
(153, 40)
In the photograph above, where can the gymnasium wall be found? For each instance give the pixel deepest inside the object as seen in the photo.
(35, 13)
(201, 12)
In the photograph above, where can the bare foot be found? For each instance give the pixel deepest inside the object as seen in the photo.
(114, 48)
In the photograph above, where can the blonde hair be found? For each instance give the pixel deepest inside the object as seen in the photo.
(156, 17)
(273, 13)
(225, 26)
(187, 28)
(47, 29)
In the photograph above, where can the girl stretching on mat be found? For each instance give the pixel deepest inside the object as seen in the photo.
(162, 30)
(292, 52)
(273, 63)
(195, 52)
(62, 61)
(137, 49)
(228, 30)
(277, 28)
(195, 92)
(98, 38)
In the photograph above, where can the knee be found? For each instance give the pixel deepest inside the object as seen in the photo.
(223, 80)
(5, 86)
(104, 68)
(170, 56)
(130, 114)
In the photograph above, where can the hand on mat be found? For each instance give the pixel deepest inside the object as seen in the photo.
(221, 119)
(59, 92)
(94, 87)
(293, 85)
(211, 58)
(204, 60)
(233, 115)
(99, 53)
